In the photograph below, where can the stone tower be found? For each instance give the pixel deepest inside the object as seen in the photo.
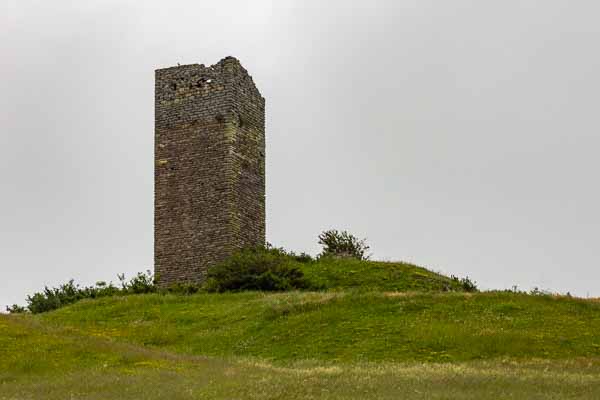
(209, 179)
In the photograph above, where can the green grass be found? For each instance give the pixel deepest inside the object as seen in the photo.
(383, 331)
(334, 273)
(346, 326)
(42, 362)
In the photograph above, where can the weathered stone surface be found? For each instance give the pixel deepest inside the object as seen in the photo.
(209, 193)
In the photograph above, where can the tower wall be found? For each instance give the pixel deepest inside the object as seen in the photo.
(209, 168)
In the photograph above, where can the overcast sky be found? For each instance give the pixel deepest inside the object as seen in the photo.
(458, 135)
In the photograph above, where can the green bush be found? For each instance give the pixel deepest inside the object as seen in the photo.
(343, 244)
(52, 298)
(268, 269)
(302, 257)
(139, 284)
(16, 309)
(465, 283)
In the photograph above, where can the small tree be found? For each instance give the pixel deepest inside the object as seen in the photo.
(343, 244)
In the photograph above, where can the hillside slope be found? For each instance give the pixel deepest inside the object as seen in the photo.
(349, 273)
(346, 325)
(149, 347)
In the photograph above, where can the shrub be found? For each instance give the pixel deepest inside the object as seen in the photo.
(16, 309)
(302, 257)
(536, 291)
(465, 283)
(139, 284)
(343, 244)
(268, 269)
(53, 298)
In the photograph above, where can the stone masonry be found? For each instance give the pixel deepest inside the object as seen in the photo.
(209, 180)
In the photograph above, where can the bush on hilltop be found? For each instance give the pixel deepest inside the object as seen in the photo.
(343, 244)
(260, 268)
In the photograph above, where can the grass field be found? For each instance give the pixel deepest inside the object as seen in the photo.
(42, 362)
(363, 342)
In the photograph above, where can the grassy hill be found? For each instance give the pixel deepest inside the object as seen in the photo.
(382, 330)
(344, 274)
(345, 326)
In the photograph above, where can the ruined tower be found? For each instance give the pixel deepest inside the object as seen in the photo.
(209, 180)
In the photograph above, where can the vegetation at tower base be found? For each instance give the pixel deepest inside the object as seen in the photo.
(266, 269)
